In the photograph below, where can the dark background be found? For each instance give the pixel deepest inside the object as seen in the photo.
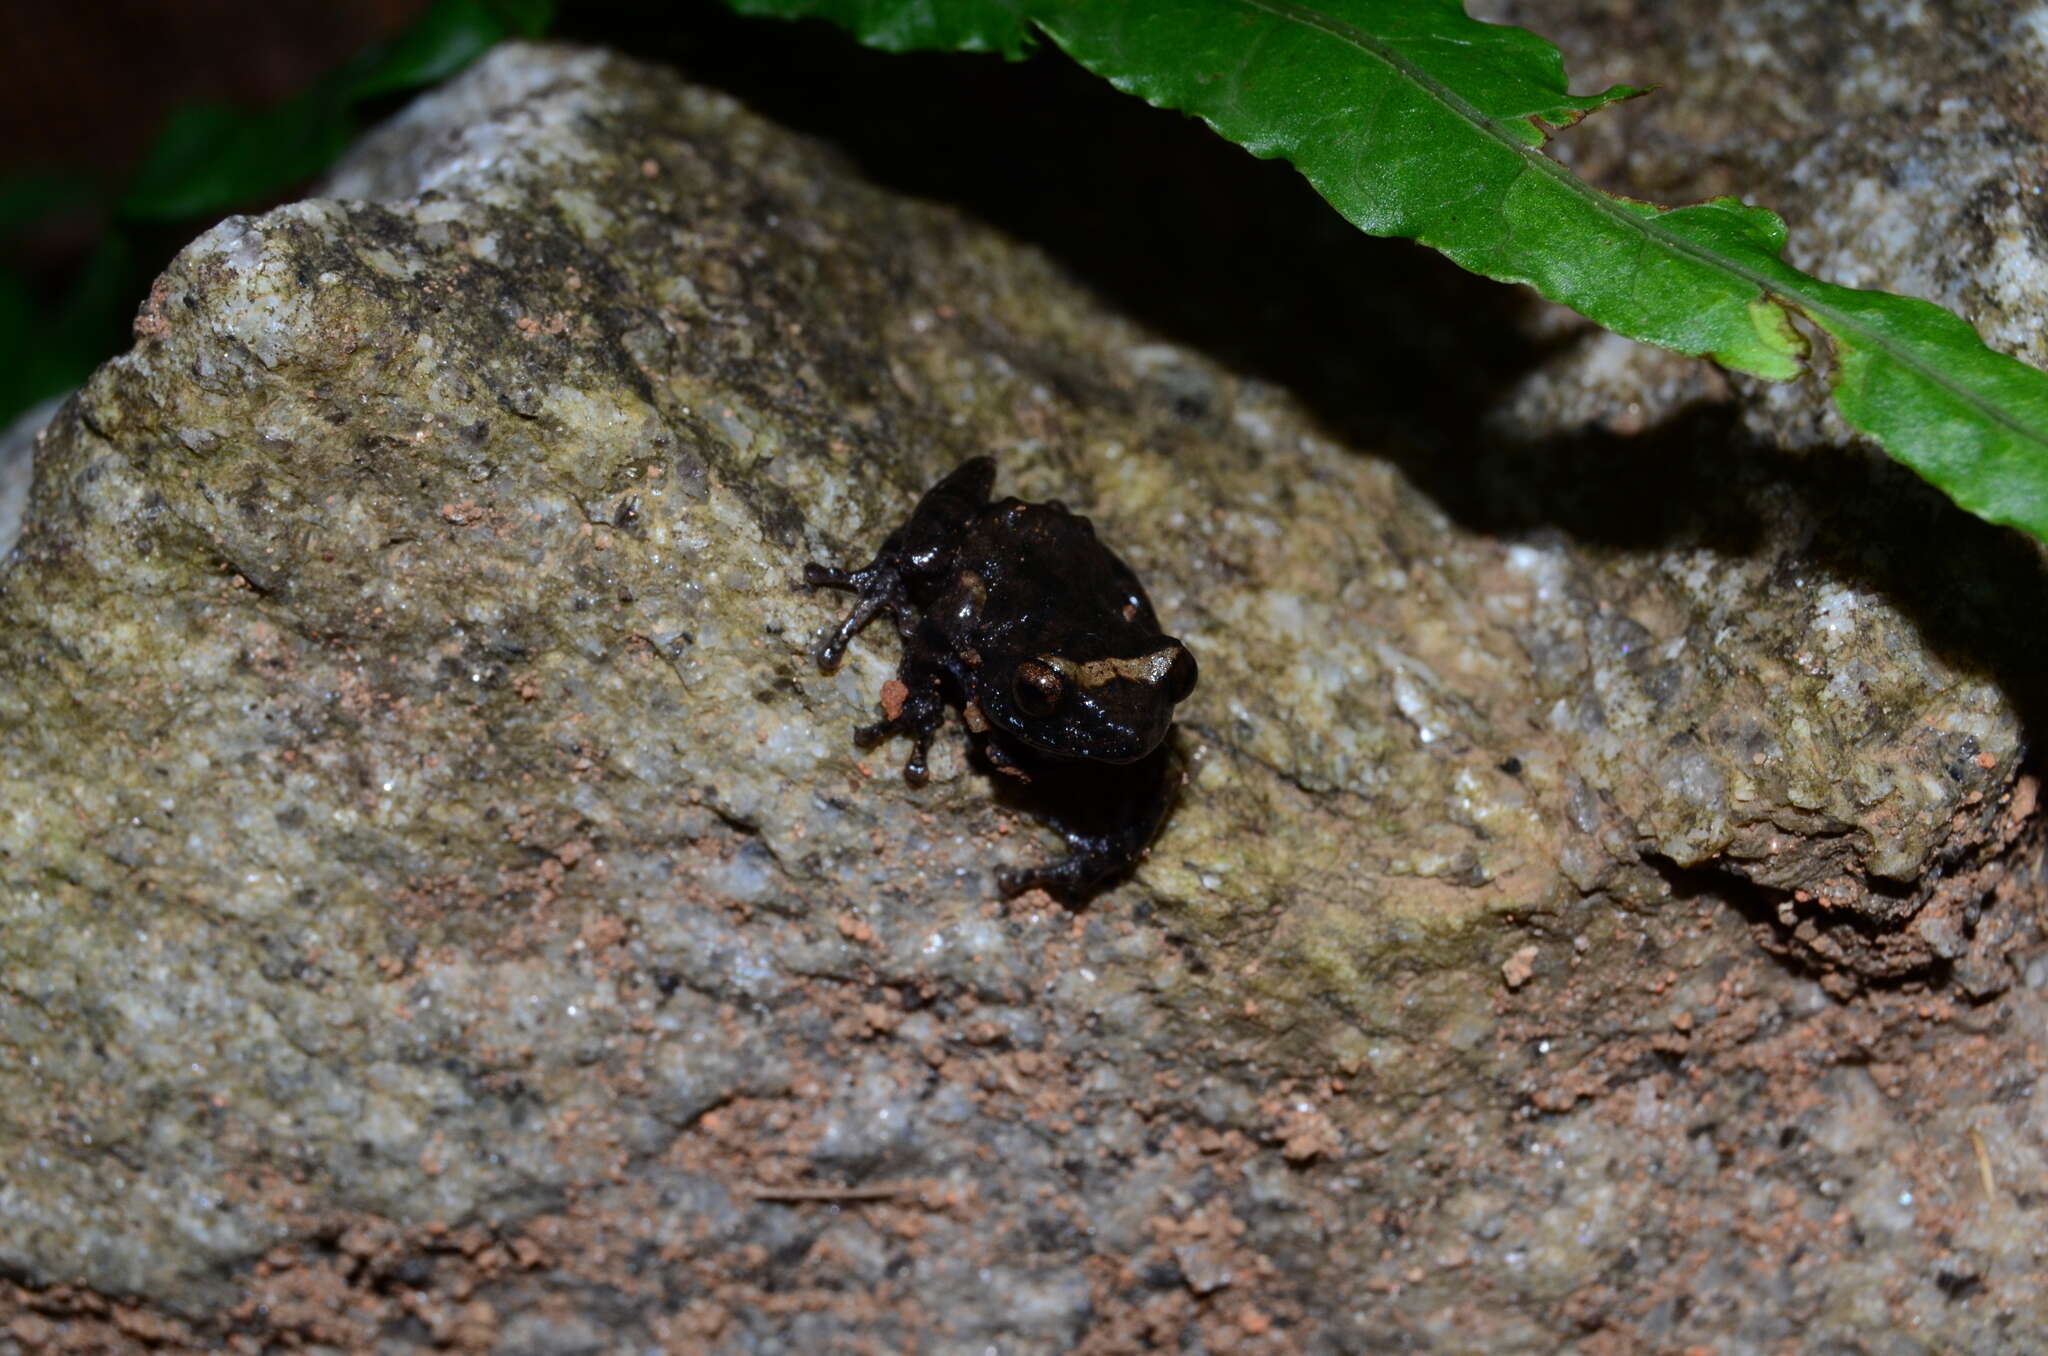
(84, 85)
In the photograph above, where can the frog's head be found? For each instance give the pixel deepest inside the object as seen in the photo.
(1111, 709)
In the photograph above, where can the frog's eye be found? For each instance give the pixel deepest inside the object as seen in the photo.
(1037, 688)
(1180, 676)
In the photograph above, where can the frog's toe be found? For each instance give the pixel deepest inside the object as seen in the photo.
(1062, 880)
(867, 736)
(833, 647)
(914, 770)
(818, 576)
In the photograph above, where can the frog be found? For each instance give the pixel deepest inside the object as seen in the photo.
(1019, 616)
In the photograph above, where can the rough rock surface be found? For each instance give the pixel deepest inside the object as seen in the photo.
(441, 903)
(1907, 148)
(17, 468)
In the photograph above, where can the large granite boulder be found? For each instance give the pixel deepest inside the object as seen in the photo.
(440, 901)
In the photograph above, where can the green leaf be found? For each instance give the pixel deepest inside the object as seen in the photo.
(917, 25)
(1414, 119)
(445, 39)
(211, 158)
(524, 18)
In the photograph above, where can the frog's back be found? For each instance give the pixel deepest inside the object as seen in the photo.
(1057, 579)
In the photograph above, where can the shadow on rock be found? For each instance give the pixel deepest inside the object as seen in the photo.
(1390, 345)
(1235, 257)
(1975, 591)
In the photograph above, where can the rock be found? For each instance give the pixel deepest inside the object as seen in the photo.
(431, 864)
(17, 468)
(1519, 968)
(1889, 178)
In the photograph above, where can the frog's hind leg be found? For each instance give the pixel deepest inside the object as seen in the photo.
(1109, 816)
(922, 712)
(947, 506)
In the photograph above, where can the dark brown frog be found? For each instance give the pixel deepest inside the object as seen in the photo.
(1017, 614)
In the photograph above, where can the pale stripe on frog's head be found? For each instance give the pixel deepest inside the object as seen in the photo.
(1150, 669)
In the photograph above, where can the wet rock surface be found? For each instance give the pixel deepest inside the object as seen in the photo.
(443, 904)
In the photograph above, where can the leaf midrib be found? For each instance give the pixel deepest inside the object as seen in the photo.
(1646, 226)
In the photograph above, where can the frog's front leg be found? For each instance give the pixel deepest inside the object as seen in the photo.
(880, 588)
(921, 712)
(998, 755)
(919, 551)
